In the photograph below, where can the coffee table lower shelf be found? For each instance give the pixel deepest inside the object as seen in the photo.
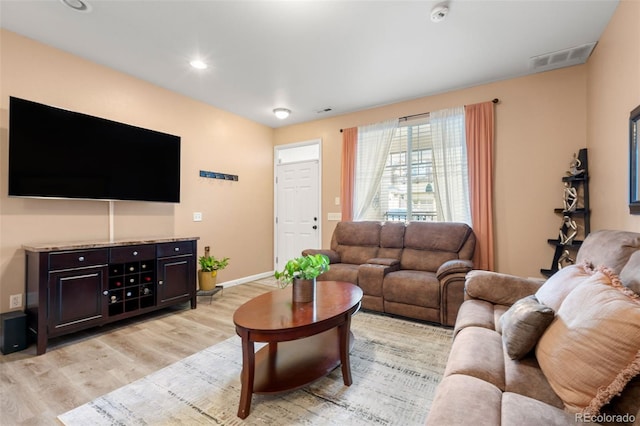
(291, 365)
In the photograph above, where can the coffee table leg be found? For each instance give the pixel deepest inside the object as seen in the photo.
(344, 332)
(247, 375)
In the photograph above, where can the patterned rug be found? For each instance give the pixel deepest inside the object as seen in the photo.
(396, 366)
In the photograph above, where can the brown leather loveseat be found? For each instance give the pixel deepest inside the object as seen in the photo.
(416, 270)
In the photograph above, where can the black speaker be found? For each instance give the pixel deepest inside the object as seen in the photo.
(13, 332)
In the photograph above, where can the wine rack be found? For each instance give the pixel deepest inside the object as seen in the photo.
(131, 286)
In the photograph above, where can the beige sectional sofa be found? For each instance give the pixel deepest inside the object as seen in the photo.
(580, 364)
(415, 270)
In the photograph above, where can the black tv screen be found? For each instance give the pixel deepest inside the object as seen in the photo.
(63, 154)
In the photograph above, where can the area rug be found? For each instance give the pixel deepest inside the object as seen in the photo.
(396, 366)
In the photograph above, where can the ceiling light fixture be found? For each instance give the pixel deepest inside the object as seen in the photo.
(282, 113)
(77, 5)
(439, 12)
(198, 64)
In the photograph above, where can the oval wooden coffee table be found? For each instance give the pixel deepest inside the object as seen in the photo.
(306, 341)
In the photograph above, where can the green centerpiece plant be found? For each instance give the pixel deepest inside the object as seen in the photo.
(302, 272)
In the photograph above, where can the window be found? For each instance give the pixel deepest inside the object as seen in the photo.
(424, 176)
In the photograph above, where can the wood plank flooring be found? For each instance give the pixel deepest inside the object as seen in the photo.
(78, 368)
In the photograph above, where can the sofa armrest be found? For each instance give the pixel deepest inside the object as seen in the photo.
(500, 289)
(384, 261)
(334, 257)
(454, 267)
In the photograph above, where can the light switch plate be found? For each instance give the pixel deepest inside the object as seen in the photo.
(197, 217)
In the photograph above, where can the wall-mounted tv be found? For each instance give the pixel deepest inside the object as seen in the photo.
(56, 153)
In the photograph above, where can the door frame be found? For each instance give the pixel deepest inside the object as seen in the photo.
(276, 150)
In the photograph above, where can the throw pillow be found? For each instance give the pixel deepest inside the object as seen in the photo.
(592, 348)
(523, 324)
(560, 284)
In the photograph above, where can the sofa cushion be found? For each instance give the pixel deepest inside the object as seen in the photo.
(560, 284)
(341, 272)
(430, 244)
(609, 248)
(412, 288)
(436, 236)
(524, 411)
(357, 234)
(392, 235)
(630, 274)
(478, 352)
(465, 400)
(592, 348)
(356, 255)
(525, 377)
(523, 324)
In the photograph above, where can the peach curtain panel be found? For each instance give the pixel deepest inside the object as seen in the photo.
(349, 145)
(479, 123)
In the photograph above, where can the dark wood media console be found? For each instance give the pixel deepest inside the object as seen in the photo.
(77, 286)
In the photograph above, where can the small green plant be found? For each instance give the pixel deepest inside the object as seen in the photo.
(305, 268)
(210, 263)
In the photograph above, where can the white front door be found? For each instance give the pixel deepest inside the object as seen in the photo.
(297, 210)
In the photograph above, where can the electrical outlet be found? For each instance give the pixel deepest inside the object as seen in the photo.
(15, 301)
(197, 217)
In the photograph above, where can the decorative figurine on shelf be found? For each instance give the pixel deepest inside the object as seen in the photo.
(574, 166)
(570, 197)
(114, 299)
(568, 231)
(565, 260)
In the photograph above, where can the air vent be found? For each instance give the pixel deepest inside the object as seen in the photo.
(323, 110)
(561, 58)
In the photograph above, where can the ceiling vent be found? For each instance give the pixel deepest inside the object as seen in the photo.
(562, 58)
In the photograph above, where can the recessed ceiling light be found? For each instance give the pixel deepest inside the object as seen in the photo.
(282, 113)
(77, 5)
(198, 64)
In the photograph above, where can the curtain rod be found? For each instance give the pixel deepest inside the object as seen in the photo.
(494, 100)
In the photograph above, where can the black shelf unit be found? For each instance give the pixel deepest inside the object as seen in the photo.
(576, 223)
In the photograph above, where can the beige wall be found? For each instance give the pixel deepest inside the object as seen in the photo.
(211, 140)
(613, 91)
(540, 123)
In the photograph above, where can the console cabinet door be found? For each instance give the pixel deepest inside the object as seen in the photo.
(76, 299)
(176, 279)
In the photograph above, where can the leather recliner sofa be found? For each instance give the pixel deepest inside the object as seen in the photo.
(415, 270)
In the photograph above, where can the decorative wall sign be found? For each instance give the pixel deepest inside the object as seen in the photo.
(216, 175)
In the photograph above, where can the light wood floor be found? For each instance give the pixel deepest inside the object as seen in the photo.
(78, 368)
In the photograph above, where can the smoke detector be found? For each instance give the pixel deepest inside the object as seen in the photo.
(439, 12)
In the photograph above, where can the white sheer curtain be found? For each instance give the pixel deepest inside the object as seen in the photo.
(451, 179)
(374, 143)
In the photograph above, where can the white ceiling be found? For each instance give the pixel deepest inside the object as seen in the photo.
(311, 55)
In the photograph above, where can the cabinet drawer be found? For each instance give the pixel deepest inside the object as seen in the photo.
(175, 249)
(78, 259)
(132, 253)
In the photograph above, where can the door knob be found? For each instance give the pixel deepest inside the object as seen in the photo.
(315, 227)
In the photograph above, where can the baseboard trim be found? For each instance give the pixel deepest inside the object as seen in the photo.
(248, 279)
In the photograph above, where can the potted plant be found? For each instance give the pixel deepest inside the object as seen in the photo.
(209, 267)
(302, 272)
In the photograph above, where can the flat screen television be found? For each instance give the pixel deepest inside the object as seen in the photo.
(56, 153)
